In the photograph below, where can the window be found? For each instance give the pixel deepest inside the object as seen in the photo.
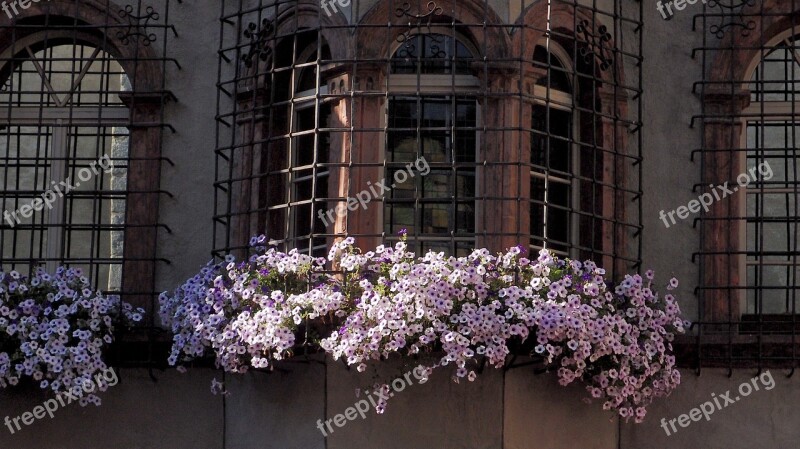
(296, 176)
(553, 155)
(771, 205)
(747, 257)
(309, 153)
(64, 124)
(451, 82)
(431, 115)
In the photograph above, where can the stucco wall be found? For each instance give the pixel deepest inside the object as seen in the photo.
(515, 410)
(668, 173)
(178, 411)
(191, 148)
(763, 419)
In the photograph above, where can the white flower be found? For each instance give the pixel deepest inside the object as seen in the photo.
(388, 301)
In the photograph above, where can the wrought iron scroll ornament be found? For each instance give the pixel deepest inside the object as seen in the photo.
(259, 36)
(137, 26)
(595, 44)
(424, 19)
(434, 50)
(730, 17)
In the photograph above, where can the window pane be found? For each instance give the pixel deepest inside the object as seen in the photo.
(434, 131)
(551, 179)
(772, 216)
(431, 53)
(26, 153)
(776, 78)
(776, 289)
(63, 64)
(436, 218)
(557, 77)
(81, 169)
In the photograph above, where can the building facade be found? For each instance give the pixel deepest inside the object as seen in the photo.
(635, 134)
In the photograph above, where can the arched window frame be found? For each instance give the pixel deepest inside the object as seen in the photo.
(554, 99)
(610, 139)
(60, 119)
(418, 86)
(268, 178)
(310, 240)
(762, 114)
(726, 102)
(145, 69)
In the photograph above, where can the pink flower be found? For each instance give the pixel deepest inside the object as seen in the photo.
(390, 302)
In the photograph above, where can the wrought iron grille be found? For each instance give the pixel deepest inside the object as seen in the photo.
(440, 118)
(82, 90)
(748, 257)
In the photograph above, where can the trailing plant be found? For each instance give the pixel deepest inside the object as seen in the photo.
(463, 311)
(54, 329)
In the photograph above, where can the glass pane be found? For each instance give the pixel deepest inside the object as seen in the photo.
(25, 173)
(304, 148)
(465, 218)
(772, 216)
(431, 54)
(424, 128)
(95, 209)
(399, 216)
(435, 145)
(63, 84)
(437, 185)
(773, 289)
(436, 218)
(551, 178)
(403, 146)
(775, 79)
(557, 77)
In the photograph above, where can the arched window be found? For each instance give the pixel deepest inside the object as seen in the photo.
(309, 152)
(64, 147)
(553, 154)
(433, 117)
(772, 166)
(295, 166)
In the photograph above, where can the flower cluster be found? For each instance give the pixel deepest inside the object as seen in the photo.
(54, 328)
(247, 312)
(461, 311)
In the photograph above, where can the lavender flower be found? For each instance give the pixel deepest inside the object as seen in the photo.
(55, 328)
(614, 339)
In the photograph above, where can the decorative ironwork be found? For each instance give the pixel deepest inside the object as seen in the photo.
(280, 134)
(595, 44)
(67, 101)
(259, 42)
(747, 90)
(137, 26)
(731, 18)
(421, 19)
(409, 50)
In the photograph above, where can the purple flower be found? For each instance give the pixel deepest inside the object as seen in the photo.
(394, 303)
